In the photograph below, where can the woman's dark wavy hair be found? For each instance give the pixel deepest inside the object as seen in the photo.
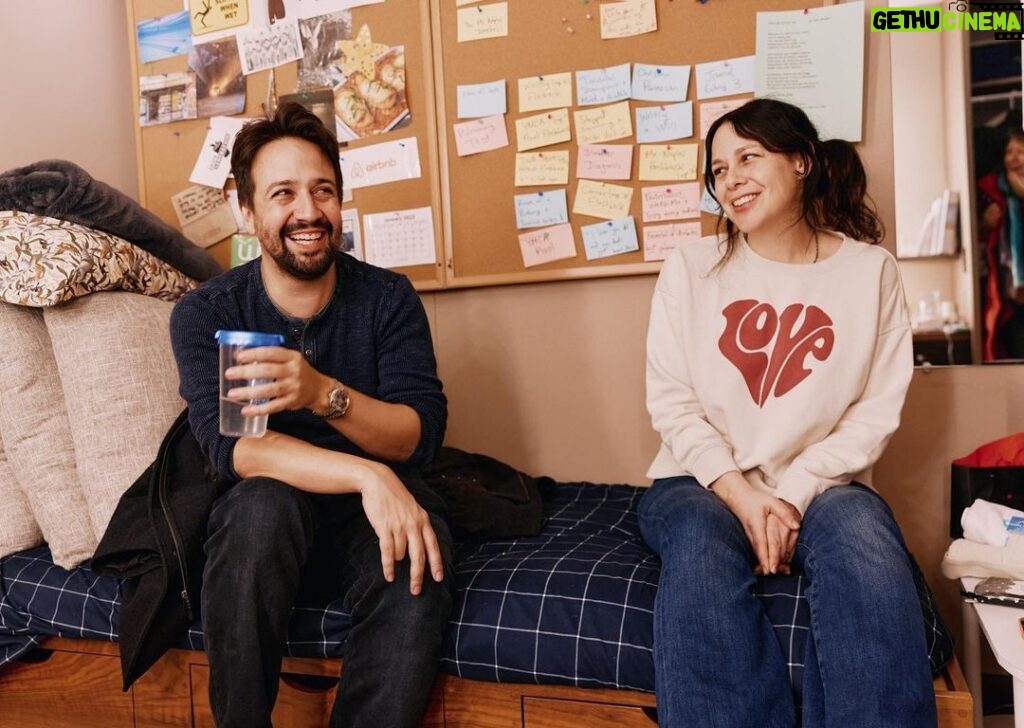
(835, 189)
(291, 120)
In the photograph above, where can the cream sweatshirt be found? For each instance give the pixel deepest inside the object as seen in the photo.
(793, 374)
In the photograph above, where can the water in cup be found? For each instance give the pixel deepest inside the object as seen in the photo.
(232, 422)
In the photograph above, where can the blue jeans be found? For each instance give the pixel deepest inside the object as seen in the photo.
(263, 538)
(717, 660)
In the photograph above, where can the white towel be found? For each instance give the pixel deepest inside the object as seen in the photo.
(969, 558)
(986, 522)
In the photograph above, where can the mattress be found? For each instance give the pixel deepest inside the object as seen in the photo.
(571, 606)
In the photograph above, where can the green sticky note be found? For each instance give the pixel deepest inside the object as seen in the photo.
(244, 248)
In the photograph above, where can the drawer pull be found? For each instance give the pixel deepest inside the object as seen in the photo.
(36, 656)
(309, 683)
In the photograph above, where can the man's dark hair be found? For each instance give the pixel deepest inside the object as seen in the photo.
(291, 120)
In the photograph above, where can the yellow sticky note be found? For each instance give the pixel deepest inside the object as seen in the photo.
(604, 123)
(551, 91)
(542, 168)
(210, 16)
(668, 161)
(630, 17)
(600, 199)
(542, 130)
(481, 22)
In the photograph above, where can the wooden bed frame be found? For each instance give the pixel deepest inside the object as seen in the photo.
(71, 683)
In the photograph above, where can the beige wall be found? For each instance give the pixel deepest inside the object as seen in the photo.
(548, 376)
(64, 85)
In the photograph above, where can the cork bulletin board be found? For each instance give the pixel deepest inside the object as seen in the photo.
(472, 196)
(166, 153)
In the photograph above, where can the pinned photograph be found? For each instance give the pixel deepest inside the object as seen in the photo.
(163, 37)
(371, 100)
(321, 54)
(220, 85)
(268, 47)
(166, 97)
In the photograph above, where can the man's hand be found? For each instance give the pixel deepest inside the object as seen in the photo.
(294, 384)
(771, 524)
(401, 525)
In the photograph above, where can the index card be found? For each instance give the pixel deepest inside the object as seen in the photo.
(541, 130)
(481, 99)
(602, 85)
(540, 209)
(204, 215)
(550, 91)
(668, 161)
(725, 78)
(671, 202)
(603, 124)
(664, 123)
(480, 135)
(609, 238)
(628, 18)
(660, 83)
(711, 110)
(601, 199)
(660, 240)
(604, 161)
(482, 22)
(547, 244)
(542, 168)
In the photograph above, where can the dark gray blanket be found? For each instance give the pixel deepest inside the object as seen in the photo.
(61, 189)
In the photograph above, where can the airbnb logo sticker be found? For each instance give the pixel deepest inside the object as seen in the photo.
(770, 349)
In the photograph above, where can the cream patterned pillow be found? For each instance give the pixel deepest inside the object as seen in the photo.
(37, 436)
(120, 382)
(45, 261)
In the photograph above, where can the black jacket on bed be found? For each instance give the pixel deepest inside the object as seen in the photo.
(156, 537)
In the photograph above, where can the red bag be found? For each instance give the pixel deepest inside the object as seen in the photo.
(994, 472)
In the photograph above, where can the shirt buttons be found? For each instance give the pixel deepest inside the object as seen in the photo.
(309, 352)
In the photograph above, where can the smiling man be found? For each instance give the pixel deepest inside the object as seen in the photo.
(355, 405)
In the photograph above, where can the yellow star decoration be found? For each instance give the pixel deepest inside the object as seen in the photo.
(360, 53)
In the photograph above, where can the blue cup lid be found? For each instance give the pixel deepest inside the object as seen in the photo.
(248, 338)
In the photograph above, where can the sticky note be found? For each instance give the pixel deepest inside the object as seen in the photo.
(668, 161)
(725, 78)
(542, 168)
(602, 199)
(664, 123)
(628, 18)
(604, 161)
(482, 22)
(550, 91)
(671, 202)
(710, 111)
(547, 244)
(480, 135)
(481, 99)
(603, 124)
(660, 240)
(660, 83)
(602, 85)
(541, 130)
(540, 209)
(609, 238)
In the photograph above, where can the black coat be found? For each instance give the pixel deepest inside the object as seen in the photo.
(156, 537)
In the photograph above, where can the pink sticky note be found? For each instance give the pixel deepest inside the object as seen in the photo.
(711, 110)
(660, 240)
(547, 244)
(480, 135)
(604, 161)
(676, 201)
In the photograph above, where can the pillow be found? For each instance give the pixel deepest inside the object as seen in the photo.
(45, 261)
(18, 528)
(37, 438)
(120, 383)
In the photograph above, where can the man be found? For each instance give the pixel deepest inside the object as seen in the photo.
(354, 405)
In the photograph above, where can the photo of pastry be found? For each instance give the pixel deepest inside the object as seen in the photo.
(371, 100)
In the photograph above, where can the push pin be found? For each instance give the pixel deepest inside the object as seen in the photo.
(589, 16)
(568, 29)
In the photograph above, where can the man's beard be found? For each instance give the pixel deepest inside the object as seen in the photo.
(302, 266)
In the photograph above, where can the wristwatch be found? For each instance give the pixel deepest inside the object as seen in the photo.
(338, 401)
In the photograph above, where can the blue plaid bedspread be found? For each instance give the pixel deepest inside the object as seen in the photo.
(571, 606)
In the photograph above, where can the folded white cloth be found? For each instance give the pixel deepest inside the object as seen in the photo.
(970, 558)
(986, 522)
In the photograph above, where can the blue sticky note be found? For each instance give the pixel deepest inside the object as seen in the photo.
(609, 238)
(481, 99)
(664, 123)
(660, 83)
(602, 85)
(541, 209)
(708, 204)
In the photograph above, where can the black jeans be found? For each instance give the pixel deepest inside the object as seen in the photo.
(263, 538)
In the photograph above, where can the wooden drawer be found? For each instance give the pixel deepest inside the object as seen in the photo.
(60, 689)
(554, 713)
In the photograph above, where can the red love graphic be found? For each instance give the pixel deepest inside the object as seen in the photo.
(770, 349)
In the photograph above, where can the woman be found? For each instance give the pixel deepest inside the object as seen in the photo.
(1002, 230)
(778, 360)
